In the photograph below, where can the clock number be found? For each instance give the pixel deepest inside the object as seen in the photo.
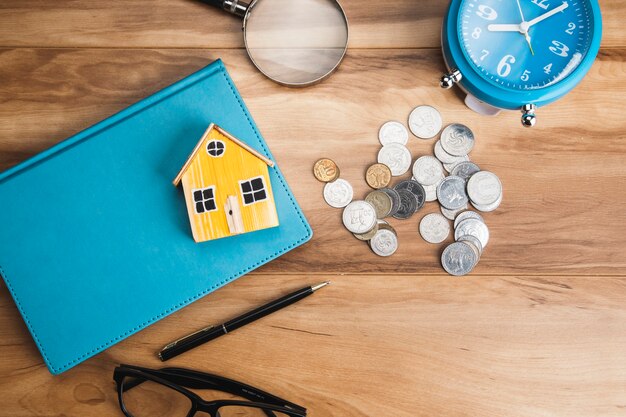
(526, 75)
(504, 67)
(487, 12)
(484, 55)
(541, 3)
(559, 48)
(548, 68)
(476, 33)
(570, 28)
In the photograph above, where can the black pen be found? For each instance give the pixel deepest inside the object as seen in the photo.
(213, 332)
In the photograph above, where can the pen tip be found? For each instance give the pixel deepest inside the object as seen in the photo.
(318, 286)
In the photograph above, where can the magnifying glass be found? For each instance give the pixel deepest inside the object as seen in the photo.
(293, 42)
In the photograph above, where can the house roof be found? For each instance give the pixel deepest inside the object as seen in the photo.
(229, 136)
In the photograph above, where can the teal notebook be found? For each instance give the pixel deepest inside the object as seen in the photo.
(95, 241)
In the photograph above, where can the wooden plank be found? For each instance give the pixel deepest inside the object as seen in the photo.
(190, 24)
(405, 346)
(563, 179)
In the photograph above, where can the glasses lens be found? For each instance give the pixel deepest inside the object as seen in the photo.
(151, 399)
(239, 411)
(296, 42)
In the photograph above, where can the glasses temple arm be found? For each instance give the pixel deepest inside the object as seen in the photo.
(201, 380)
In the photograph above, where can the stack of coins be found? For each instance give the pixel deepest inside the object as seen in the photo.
(471, 235)
(364, 218)
(448, 177)
(452, 151)
(394, 153)
(485, 191)
(465, 184)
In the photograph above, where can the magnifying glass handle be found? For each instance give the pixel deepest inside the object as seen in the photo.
(235, 7)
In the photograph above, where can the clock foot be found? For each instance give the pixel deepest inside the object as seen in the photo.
(528, 115)
(448, 80)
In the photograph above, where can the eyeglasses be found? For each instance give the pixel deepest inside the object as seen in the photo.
(147, 392)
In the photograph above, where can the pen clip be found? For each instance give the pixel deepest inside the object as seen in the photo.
(174, 343)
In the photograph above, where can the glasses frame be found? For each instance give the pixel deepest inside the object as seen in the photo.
(179, 379)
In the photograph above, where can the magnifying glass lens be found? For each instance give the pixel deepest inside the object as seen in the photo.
(296, 42)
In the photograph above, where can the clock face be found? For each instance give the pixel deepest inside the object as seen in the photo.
(525, 44)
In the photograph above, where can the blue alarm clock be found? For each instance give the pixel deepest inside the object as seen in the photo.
(519, 54)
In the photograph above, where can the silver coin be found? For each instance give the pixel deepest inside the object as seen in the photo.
(474, 241)
(425, 122)
(393, 132)
(431, 192)
(384, 243)
(475, 228)
(408, 205)
(458, 259)
(427, 170)
(484, 188)
(382, 203)
(451, 214)
(457, 139)
(338, 193)
(460, 159)
(474, 248)
(395, 199)
(467, 215)
(434, 228)
(448, 161)
(397, 157)
(465, 169)
(490, 207)
(414, 187)
(359, 217)
(444, 156)
(451, 193)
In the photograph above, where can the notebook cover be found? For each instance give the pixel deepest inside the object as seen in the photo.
(95, 242)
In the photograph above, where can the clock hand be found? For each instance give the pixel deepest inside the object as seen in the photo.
(549, 14)
(513, 28)
(527, 36)
(521, 13)
(524, 29)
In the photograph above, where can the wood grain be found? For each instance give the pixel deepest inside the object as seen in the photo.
(538, 330)
(373, 345)
(563, 180)
(190, 24)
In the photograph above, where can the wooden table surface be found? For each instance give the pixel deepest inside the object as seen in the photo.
(539, 329)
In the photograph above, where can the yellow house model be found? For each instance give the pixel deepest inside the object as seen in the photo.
(227, 187)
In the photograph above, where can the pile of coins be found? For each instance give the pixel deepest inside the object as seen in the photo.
(465, 184)
(471, 236)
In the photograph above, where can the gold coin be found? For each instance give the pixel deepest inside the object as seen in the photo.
(326, 170)
(368, 235)
(384, 225)
(381, 202)
(378, 176)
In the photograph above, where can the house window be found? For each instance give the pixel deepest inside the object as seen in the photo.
(215, 148)
(253, 190)
(204, 200)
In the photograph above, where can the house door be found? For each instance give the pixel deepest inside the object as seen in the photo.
(233, 215)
